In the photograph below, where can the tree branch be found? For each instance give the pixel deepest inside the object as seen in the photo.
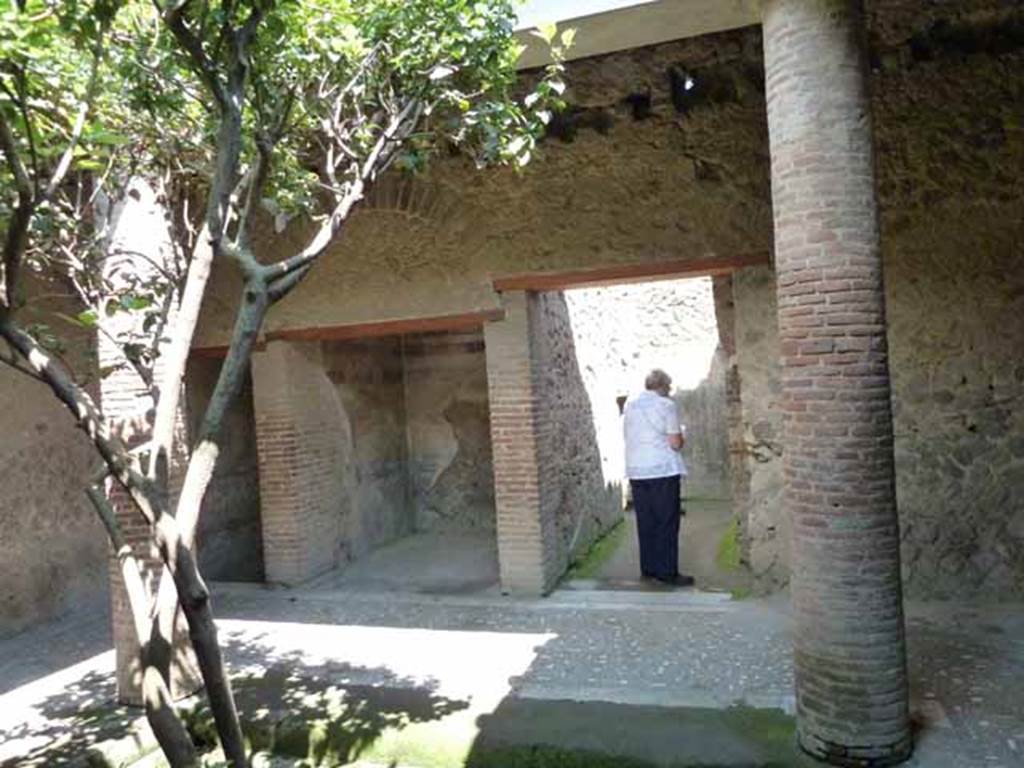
(22, 180)
(22, 87)
(13, 362)
(282, 286)
(176, 553)
(174, 17)
(138, 601)
(76, 132)
(16, 238)
(87, 416)
(399, 127)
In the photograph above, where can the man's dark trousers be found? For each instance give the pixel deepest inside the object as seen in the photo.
(656, 502)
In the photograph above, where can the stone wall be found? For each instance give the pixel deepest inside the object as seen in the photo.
(368, 380)
(739, 471)
(230, 538)
(956, 299)
(949, 95)
(573, 487)
(766, 526)
(704, 412)
(54, 547)
(451, 475)
(638, 170)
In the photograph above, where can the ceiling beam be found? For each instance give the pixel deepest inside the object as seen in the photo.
(617, 26)
(629, 273)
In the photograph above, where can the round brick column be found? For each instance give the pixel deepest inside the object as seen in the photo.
(851, 675)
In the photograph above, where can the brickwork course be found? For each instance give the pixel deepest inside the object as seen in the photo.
(297, 435)
(839, 488)
(526, 524)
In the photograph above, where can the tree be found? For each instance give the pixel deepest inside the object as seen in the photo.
(297, 105)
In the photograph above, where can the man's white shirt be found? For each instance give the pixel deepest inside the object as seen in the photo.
(648, 420)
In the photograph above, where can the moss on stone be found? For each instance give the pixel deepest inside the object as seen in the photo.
(589, 564)
(728, 557)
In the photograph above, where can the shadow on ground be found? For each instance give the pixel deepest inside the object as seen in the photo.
(315, 712)
(565, 734)
(288, 707)
(83, 715)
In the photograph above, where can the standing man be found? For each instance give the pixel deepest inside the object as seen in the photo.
(655, 469)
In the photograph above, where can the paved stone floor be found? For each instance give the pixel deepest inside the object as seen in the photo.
(448, 562)
(701, 532)
(475, 661)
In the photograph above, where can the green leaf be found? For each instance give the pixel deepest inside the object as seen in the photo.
(133, 302)
(88, 318)
(545, 32)
(90, 164)
(75, 321)
(568, 35)
(107, 138)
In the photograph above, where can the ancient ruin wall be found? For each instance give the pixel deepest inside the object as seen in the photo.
(757, 355)
(368, 381)
(640, 171)
(948, 103)
(54, 547)
(451, 475)
(573, 485)
(637, 171)
(230, 539)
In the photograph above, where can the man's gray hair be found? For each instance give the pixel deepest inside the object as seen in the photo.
(657, 380)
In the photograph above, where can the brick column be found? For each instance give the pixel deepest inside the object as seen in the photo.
(839, 483)
(525, 525)
(136, 225)
(299, 439)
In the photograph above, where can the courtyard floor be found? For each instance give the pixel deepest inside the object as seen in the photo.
(349, 671)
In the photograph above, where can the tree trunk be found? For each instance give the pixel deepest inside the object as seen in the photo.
(163, 718)
(191, 591)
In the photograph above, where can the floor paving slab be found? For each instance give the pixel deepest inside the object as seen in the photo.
(432, 667)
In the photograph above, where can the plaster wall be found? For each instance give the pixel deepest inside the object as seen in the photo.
(369, 395)
(947, 98)
(956, 303)
(451, 474)
(54, 548)
(636, 171)
(766, 525)
(949, 95)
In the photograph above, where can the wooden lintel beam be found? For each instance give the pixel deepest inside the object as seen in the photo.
(462, 322)
(465, 321)
(629, 273)
(207, 352)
